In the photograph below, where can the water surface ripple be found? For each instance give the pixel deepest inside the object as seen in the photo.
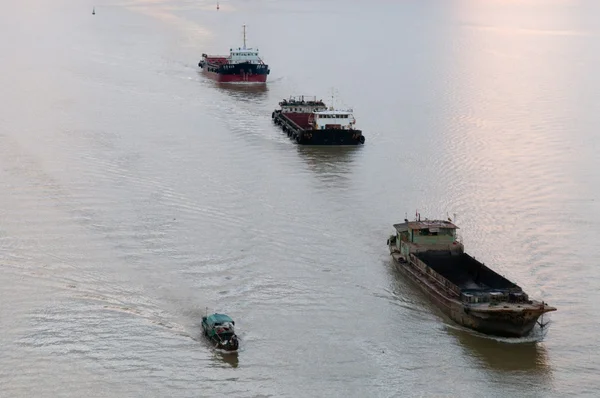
(135, 194)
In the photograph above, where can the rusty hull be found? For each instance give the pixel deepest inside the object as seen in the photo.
(502, 319)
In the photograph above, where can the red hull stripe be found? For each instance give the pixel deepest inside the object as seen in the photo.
(237, 78)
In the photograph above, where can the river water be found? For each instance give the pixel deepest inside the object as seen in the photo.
(135, 194)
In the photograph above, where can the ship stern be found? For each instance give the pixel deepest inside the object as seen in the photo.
(331, 137)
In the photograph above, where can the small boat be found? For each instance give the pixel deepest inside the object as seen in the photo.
(219, 328)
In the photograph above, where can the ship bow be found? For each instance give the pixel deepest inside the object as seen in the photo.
(507, 322)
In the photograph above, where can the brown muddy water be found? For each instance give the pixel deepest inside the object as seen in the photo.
(134, 193)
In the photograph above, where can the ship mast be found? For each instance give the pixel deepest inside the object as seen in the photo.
(332, 107)
(244, 37)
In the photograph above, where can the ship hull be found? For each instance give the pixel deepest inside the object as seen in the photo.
(241, 78)
(329, 137)
(498, 323)
(238, 73)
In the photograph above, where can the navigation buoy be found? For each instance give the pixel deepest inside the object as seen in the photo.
(217, 5)
(94, 11)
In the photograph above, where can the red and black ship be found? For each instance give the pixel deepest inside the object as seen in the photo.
(308, 121)
(243, 65)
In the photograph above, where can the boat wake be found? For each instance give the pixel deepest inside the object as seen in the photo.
(276, 80)
(536, 335)
(249, 84)
(225, 352)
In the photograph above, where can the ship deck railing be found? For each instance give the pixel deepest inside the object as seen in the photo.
(444, 283)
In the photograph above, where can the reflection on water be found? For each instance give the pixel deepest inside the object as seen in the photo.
(333, 164)
(247, 92)
(242, 91)
(328, 159)
(503, 356)
(229, 358)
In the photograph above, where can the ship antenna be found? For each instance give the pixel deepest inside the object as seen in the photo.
(331, 107)
(332, 97)
(244, 36)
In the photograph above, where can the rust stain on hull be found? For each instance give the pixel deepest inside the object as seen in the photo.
(512, 321)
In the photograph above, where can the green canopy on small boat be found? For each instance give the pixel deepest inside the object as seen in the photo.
(218, 318)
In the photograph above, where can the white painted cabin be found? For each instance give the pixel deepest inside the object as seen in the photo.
(333, 119)
(244, 55)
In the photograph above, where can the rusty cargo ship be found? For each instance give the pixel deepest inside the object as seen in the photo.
(471, 294)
